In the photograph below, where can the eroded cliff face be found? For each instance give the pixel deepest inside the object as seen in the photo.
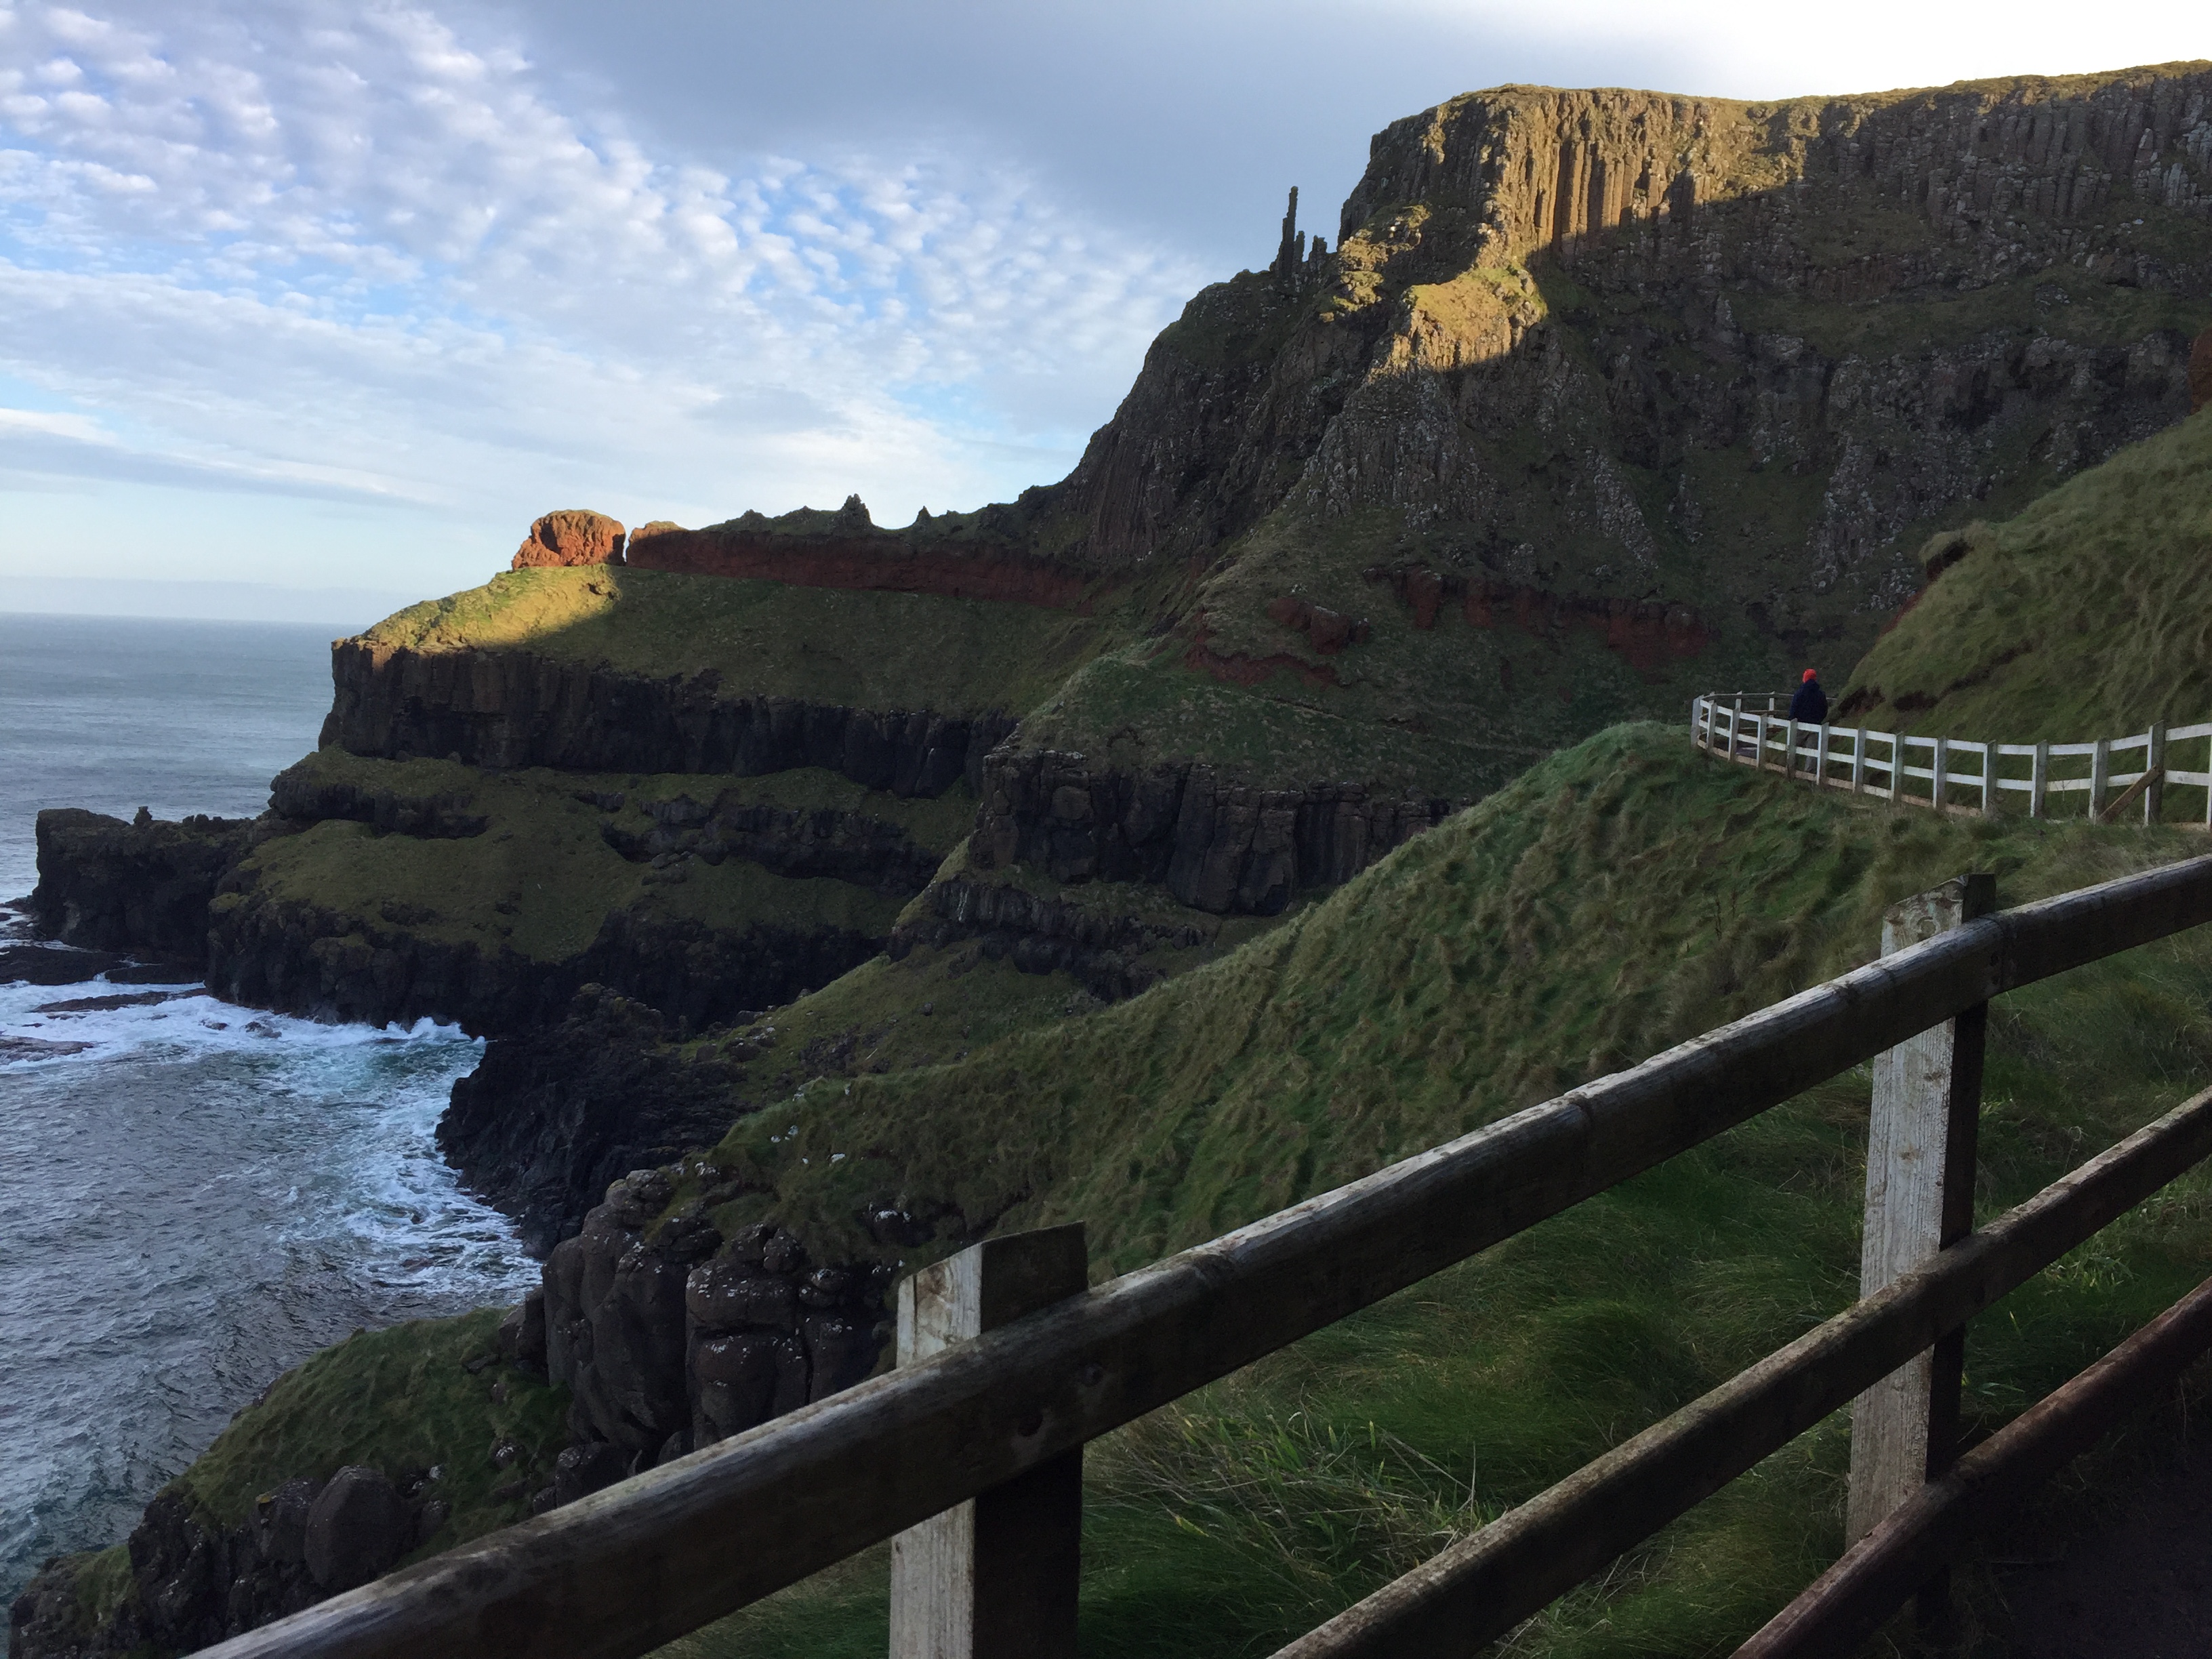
(1620, 342)
(518, 708)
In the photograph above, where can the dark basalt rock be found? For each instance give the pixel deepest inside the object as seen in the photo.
(145, 885)
(549, 1118)
(283, 954)
(356, 1529)
(662, 1358)
(1215, 845)
(511, 709)
(298, 792)
(850, 847)
(1042, 935)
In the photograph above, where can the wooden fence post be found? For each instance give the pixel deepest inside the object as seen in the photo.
(2038, 780)
(994, 1578)
(1989, 779)
(1789, 750)
(1858, 761)
(1919, 1198)
(2154, 759)
(1820, 758)
(1942, 766)
(2101, 769)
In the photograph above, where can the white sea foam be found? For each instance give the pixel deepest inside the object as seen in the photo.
(195, 1200)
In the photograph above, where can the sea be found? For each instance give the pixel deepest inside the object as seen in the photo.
(194, 1197)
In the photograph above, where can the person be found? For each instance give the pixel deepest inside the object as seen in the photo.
(1810, 705)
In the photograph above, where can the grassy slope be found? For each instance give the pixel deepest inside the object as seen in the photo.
(2081, 617)
(1618, 898)
(401, 1399)
(865, 650)
(541, 879)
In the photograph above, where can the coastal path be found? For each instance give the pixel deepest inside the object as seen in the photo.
(968, 1452)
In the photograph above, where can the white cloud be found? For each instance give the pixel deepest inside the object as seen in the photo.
(347, 249)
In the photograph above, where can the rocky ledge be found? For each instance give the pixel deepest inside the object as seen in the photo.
(107, 885)
(514, 708)
(1214, 844)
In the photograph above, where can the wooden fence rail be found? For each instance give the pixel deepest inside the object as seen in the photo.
(626, 1569)
(1866, 762)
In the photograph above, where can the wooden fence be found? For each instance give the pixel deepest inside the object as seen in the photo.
(970, 1448)
(1953, 774)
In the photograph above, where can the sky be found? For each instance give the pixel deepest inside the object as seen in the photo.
(314, 305)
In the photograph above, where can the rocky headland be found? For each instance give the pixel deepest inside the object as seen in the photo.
(1601, 399)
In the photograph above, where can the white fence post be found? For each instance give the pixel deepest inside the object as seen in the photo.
(1921, 1140)
(994, 1578)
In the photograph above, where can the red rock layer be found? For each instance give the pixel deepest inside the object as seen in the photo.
(879, 562)
(1250, 670)
(572, 536)
(1645, 634)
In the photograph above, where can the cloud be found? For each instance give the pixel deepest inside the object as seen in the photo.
(339, 248)
(462, 262)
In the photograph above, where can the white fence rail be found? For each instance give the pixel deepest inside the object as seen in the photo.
(1954, 775)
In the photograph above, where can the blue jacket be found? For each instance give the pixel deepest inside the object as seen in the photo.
(1810, 705)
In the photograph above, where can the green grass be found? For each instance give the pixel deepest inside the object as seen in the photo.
(1620, 897)
(885, 651)
(2079, 618)
(403, 1400)
(541, 880)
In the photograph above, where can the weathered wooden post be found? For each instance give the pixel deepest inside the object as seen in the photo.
(2038, 780)
(1920, 1144)
(994, 1578)
(2155, 787)
(1789, 750)
(1821, 757)
(1736, 728)
(1942, 767)
(1858, 761)
(1989, 779)
(2100, 770)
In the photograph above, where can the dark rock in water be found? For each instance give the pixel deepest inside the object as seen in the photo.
(582, 1470)
(358, 1527)
(111, 885)
(550, 1118)
(108, 1004)
(35, 964)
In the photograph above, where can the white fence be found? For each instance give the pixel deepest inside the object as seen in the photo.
(1952, 774)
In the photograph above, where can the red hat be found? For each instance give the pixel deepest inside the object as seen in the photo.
(1811, 673)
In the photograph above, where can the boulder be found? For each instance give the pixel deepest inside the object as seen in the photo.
(581, 1470)
(572, 536)
(358, 1528)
